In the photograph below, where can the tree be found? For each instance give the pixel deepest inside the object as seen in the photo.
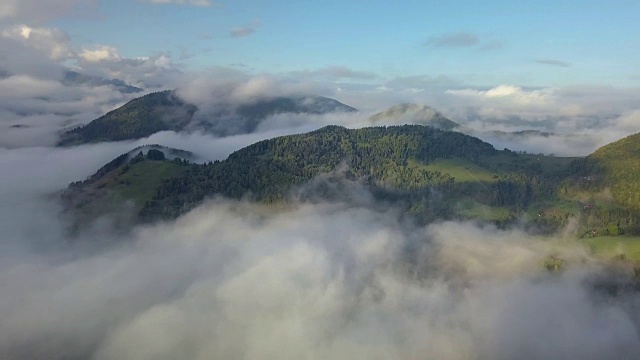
(155, 154)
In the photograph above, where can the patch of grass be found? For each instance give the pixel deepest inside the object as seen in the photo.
(549, 166)
(142, 179)
(610, 246)
(485, 212)
(461, 170)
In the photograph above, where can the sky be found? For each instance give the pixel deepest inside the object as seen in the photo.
(567, 67)
(482, 43)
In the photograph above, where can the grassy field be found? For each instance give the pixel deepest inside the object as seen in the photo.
(462, 170)
(474, 210)
(142, 179)
(549, 165)
(610, 246)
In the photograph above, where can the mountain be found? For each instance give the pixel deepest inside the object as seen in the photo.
(73, 78)
(161, 111)
(136, 119)
(429, 173)
(413, 114)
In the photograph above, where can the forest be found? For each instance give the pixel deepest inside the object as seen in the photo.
(429, 174)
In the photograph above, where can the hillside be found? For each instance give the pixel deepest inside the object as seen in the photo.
(162, 111)
(616, 166)
(121, 187)
(429, 173)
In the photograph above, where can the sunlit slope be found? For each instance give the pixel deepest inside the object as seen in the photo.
(428, 173)
(617, 166)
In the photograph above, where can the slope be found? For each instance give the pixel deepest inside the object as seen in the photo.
(428, 172)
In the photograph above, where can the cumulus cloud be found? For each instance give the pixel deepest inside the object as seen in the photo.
(53, 42)
(315, 281)
(100, 53)
(158, 71)
(509, 92)
(36, 102)
(228, 86)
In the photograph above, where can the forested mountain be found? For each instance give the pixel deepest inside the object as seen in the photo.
(161, 111)
(427, 172)
(138, 118)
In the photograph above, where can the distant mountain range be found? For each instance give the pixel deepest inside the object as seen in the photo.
(162, 111)
(429, 173)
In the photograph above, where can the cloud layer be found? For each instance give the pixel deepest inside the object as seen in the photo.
(314, 281)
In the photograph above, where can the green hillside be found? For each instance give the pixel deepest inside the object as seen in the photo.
(121, 187)
(616, 166)
(607, 184)
(428, 173)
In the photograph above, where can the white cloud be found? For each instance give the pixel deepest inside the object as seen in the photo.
(629, 121)
(53, 42)
(100, 53)
(509, 93)
(317, 281)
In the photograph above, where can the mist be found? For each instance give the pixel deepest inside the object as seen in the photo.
(312, 280)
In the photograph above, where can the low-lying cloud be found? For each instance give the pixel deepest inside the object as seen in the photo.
(315, 281)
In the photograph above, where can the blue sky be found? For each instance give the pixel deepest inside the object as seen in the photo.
(481, 43)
